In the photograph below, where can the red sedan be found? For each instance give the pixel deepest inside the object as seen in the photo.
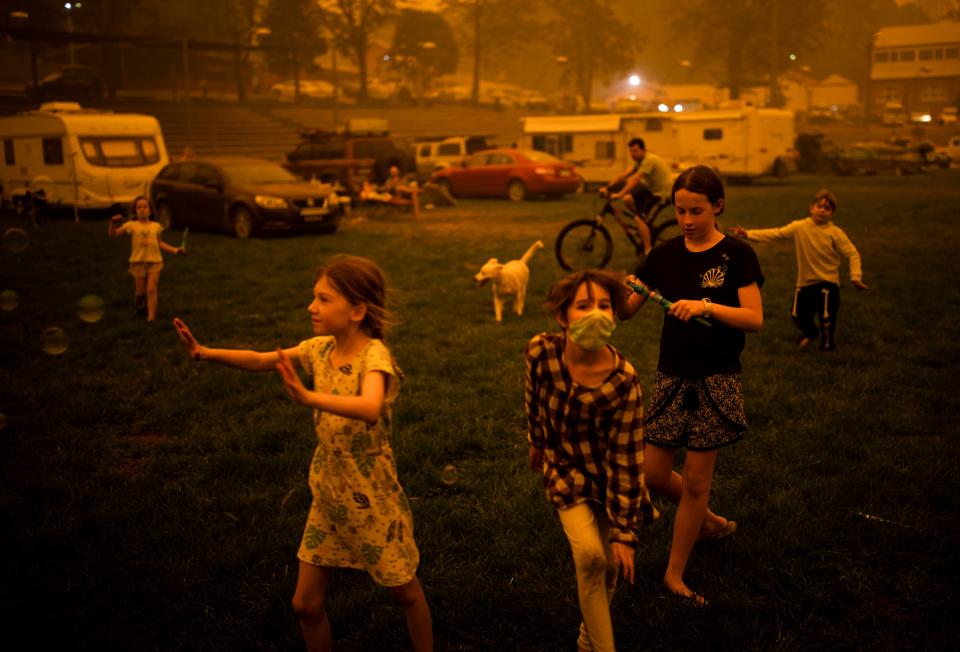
(512, 173)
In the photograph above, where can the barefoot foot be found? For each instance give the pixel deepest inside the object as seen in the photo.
(681, 590)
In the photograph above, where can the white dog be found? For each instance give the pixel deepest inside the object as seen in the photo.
(509, 280)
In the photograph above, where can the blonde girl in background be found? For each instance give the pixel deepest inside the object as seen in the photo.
(360, 517)
(146, 261)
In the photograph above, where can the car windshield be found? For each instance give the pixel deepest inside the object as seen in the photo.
(247, 173)
(539, 157)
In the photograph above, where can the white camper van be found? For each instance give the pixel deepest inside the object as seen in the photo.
(79, 157)
(745, 142)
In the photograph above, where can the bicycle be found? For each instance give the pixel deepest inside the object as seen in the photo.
(587, 243)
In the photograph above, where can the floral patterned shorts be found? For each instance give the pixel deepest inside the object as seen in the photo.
(697, 413)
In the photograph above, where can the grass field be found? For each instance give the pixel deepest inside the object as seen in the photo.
(152, 503)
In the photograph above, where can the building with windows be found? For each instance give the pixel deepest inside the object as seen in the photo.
(917, 66)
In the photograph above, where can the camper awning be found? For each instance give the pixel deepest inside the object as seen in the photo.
(565, 124)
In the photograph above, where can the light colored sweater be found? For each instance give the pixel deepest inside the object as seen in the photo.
(820, 248)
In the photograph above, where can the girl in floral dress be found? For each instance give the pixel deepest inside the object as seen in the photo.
(359, 517)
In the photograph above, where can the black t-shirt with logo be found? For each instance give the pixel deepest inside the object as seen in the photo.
(689, 349)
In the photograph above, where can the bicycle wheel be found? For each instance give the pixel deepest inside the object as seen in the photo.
(663, 227)
(583, 244)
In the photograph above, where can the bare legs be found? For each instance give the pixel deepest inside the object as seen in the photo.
(309, 605)
(691, 493)
(415, 609)
(153, 280)
(140, 290)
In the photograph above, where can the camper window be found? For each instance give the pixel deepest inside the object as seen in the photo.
(120, 152)
(8, 156)
(448, 149)
(654, 124)
(713, 134)
(52, 151)
(605, 149)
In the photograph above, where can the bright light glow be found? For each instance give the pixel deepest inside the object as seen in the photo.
(67, 6)
(663, 108)
(793, 57)
(632, 98)
(678, 108)
(634, 80)
(386, 57)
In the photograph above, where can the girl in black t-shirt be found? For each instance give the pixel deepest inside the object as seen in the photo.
(697, 401)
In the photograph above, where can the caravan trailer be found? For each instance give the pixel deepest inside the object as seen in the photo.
(745, 142)
(86, 158)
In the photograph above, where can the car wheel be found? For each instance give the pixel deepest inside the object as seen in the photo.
(165, 215)
(242, 223)
(516, 190)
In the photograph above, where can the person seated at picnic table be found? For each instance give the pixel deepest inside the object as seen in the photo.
(393, 191)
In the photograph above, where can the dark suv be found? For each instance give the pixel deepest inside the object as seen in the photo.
(347, 157)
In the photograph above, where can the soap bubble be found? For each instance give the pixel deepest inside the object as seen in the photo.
(55, 341)
(9, 300)
(449, 474)
(90, 308)
(15, 239)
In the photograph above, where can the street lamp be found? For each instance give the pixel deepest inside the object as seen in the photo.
(634, 80)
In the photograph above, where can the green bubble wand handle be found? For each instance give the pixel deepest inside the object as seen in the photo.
(661, 301)
(183, 240)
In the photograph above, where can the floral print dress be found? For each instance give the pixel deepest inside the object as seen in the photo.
(359, 517)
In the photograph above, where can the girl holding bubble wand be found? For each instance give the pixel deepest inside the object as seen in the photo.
(359, 517)
(146, 261)
(585, 431)
(697, 400)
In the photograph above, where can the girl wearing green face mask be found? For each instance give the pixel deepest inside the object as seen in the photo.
(585, 412)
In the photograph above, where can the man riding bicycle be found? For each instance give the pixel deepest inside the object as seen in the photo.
(643, 186)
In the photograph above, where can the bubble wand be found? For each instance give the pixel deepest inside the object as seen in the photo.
(661, 301)
(183, 240)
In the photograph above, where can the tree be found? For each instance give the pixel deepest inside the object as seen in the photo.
(293, 24)
(750, 37)
(423, 47)
(351, 22)
(496, 30)
(595, 44)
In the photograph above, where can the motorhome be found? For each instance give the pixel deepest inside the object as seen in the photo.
(89, 159)
(747, 142)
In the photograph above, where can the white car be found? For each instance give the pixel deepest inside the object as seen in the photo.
(435, 155)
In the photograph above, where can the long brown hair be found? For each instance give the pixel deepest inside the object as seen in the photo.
(361, 282)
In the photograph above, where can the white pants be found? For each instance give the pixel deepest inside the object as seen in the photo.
(587, 528)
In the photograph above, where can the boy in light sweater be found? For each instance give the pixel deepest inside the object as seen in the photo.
(820, 245)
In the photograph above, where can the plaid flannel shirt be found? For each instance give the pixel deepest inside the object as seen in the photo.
(591, 437)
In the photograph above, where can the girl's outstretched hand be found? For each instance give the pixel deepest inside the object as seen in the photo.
(738, 232)
(291, 380)
(623, 558)
(189, 342)
(860, 285)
